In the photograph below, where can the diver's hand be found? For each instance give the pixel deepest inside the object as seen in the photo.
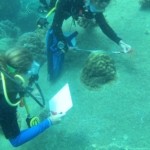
(74, 49)
(56, 118)
(86, 23)
(125, 47)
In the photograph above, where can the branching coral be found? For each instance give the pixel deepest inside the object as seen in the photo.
(98, 70)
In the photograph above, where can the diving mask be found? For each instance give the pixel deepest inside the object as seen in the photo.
(96, 6)
(34, 69)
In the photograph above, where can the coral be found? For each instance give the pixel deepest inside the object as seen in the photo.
(32, 42)
(45, 113)
(14, 10)
(41, 33)
(99, 69)
(8, 29)
(6, 43)
(145, 3)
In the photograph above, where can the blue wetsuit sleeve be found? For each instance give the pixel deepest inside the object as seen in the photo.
(30, 133)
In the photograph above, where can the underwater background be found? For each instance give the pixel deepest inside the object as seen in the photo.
(113, 117)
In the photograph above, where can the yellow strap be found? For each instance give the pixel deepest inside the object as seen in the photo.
(23, 99)
(5, 92)
(52, 10)
(21, 78)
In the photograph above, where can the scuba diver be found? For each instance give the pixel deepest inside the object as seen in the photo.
(14, 64)
(88, 9)
(82, 11)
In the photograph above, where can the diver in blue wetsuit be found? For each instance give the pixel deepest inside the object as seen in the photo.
(14, 63)
(82, 9)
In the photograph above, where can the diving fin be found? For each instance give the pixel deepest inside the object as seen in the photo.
(55, 57)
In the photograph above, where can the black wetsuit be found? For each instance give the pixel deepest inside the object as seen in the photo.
(8, 116)
(75, 8)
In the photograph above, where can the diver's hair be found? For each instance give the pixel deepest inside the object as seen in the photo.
(19, 59)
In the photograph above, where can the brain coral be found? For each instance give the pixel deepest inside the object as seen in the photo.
(98, 70)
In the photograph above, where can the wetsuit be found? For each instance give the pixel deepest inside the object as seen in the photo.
(75, 8)
(8, 119)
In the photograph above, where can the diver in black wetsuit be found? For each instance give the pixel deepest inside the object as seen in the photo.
(13, 65)
(89, 9)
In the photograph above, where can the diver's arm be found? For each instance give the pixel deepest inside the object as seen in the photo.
(30, 133)
(107, 30)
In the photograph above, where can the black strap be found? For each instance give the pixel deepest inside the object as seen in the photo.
(25, 89)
